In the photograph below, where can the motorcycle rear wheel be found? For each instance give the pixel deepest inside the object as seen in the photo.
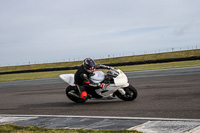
(73, 89)
(131, 93)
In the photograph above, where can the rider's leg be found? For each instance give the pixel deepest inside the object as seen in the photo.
(83, 93)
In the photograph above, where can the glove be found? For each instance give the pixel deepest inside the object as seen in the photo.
(102, 85)
(111, 67)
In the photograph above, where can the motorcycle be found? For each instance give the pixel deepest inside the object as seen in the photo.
(116, 85)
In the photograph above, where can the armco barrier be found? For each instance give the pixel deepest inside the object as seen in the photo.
(112, 64)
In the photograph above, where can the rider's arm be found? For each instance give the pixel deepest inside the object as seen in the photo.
(86, 81)
(100, 66)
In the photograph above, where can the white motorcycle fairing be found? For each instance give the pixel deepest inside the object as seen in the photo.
(98, 77)
(120, 82)
(68, 78)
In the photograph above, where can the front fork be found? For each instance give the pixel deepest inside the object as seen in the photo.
(121, 90)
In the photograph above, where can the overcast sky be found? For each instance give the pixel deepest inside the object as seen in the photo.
(38, 31)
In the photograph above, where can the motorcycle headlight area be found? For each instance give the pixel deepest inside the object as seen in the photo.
(121, 79)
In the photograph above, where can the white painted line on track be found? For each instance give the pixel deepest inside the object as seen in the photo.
(140, 127)
(104, 117)
(143, 124)
(4, 119)
(167, 127)
(195, 130)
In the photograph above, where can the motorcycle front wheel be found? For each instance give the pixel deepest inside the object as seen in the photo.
(130, 95)
(73, 94)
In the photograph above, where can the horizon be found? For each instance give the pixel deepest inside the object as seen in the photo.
(168, 51)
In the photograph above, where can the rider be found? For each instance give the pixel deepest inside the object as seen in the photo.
(83, 74)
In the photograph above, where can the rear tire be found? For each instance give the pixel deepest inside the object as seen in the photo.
(74, 90)
(131, 93)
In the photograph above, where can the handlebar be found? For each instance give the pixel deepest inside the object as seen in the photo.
(113, 72)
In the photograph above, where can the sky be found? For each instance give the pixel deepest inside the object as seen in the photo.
(44, 31)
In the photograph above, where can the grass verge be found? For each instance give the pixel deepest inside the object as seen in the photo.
(11, 128)
(158, 56)
(37, 75)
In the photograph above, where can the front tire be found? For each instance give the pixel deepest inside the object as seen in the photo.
(131, 93)
(75, 98)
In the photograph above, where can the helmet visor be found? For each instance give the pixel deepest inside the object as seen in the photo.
(90, 70)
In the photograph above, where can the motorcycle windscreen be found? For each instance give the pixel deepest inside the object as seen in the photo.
(121, 79)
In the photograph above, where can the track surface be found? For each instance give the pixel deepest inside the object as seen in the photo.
(167, 93)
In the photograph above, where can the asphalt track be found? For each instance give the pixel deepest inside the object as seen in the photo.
(167, 93)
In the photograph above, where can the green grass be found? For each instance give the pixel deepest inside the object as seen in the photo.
(160, 66)
(51, 74)
(37, 75)
(178, 54)
(11, 128)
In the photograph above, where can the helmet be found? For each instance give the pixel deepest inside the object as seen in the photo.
(89, 65)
